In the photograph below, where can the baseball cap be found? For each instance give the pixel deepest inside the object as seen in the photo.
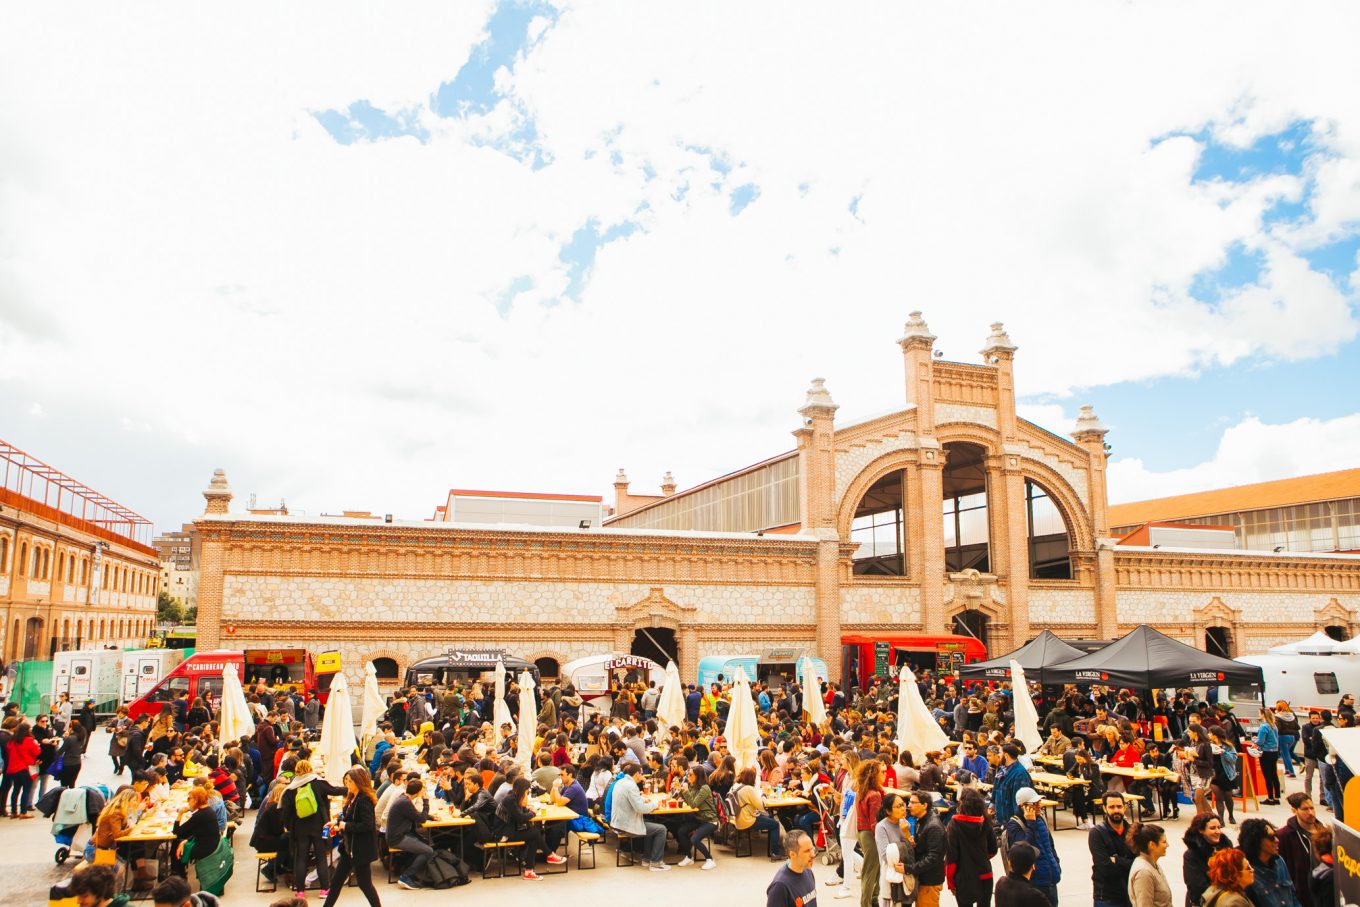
(1026, 795)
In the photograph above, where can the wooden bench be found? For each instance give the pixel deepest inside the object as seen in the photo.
(625, 844)
(497, 850)
(260, 860)
(391, 857)
(586, 839)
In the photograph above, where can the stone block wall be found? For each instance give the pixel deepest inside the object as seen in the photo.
(881, 604)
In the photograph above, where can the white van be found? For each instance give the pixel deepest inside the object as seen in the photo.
(1306, 682)
(91, 674)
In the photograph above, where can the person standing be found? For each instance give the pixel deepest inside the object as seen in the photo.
(358, 830)
(970, 844)
(1268, 742)
(1009, 780)
(306, 809)
(1015, 888)
(868, 803)
(1203, 839)
(794, 885)
(1296, 846)
(1314, 750)
(1271, 886)
(1028, 826)
(70, 753)
(890, 840)
(1148, 886)
(1287, 726)
(21, 767)
(928, 864)
(1111, 855)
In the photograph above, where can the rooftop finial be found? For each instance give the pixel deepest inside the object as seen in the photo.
(818, 396)
(1088, 425)
(916, 331)
(218, 494)
(998, 341)
(621, 478)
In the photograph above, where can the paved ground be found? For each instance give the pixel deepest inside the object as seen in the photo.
(26, 849)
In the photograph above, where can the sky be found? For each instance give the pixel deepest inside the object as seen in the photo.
(358, 256)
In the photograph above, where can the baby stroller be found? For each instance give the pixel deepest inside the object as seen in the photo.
(827, 839)
(69, 808)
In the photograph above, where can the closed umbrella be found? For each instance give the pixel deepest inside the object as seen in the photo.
(1026, 715)
(234, 721)
(524, 751)
(917, 730)
(670, 708)
(741, 730)
(337, 733)
(812, 694)
(373, 707)
(500, 710)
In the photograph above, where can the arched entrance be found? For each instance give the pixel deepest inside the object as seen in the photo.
(32, 633)
(1337, 632)
(657, 643)
(972, 623)
(1219, 641)
(385, 668)
(548, 667)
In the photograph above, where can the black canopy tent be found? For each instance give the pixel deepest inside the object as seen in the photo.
(1146, 659)
(1036, 657)
(464, 664)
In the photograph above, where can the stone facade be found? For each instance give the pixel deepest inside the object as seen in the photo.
(407, 590)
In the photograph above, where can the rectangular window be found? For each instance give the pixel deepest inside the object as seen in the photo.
(1325, 683)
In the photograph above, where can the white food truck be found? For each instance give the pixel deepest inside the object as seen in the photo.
(591, 676)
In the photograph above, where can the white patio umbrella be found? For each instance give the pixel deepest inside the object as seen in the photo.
(670, 708)
(917, 729)
(812, 694)
(1026, 715)
(373, 706)
(742, 731)
(234, 721)
(337, 732)
(524, 748)
(500, 710)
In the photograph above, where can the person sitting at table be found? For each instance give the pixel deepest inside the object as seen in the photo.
(269, 835)
(404, 818)
(627, 808)
(567, 792)
(561, 751)
(751, 811)
(305, 826)
(394, 789)
(517, 821)
(196, 831)
(812, 784)
(448, 783)
(676, 770)
(546, 773)
(721, 779)
(1154, 758)
(1080, 796)
(693, 830)
(1056, 743)
(501, 790)
(770, 772)
(931, 777)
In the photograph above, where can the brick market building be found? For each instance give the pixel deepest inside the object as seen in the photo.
(948, 514)
(76, 568)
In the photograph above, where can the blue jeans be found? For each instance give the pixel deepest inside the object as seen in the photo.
(765, 823)
(808, 822)
(1287, 753)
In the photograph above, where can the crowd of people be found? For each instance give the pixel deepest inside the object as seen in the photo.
(901, 826)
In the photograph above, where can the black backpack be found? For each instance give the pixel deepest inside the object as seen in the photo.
(445, 871)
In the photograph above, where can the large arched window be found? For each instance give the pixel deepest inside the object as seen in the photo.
(966, 537)
(1050, 545)
(547, 667)
(385, 668)
(877, 529)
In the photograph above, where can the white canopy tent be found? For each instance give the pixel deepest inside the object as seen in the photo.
(234, 721)
(1318, 644)
(917, 729)
(337, 732)
(1026, 715)
(742, 731)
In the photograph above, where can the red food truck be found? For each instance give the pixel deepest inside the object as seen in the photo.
(201, 675)
(864, 656)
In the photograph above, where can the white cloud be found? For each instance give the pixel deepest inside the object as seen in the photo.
(1250, 451)
(167, 199)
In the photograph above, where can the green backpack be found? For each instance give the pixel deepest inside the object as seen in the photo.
(304, 802)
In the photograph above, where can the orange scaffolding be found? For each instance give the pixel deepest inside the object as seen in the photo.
(30, 484)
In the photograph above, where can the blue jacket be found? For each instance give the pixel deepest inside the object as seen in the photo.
(1048, 868)
(1267, 738)
(1273, 887)
(1008, 782)
(379, 754)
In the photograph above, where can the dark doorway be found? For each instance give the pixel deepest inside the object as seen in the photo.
(1337, 632)
(1219, 641)
(547, 667)
(32, 630)
(971, 623)
(385, 668)
(656, 643)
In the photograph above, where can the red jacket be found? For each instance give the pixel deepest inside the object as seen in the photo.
(19, 756)
(1127, 757)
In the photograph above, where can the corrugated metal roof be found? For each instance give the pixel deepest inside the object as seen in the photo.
(1327, 486)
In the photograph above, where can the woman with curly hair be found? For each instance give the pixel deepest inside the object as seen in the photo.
(1203, 839)
(1230, 875)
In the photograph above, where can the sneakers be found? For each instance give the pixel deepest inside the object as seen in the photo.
(709, 864)
(659, 867)
(324, 893)
(408, 884)
(842, 892)
(556, 859)
(530, 876)
(685, 862)
(1085, 825)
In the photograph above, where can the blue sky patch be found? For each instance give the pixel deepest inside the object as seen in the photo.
(579, 252)
(1280, 152)
(473, 89)
(1336, 260)
(364, 122)
(742, 196)
(1243, 267)
(507, 298)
